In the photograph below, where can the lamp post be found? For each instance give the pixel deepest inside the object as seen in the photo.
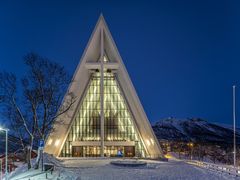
(191, 147)
(1, 168)
(6, 154)
(234, 126)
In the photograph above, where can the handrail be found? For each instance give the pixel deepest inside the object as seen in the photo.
(216, 167)
(37, 174)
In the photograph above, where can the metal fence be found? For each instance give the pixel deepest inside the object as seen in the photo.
(29, 177)
(217, 167)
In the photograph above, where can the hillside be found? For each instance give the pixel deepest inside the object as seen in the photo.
(196, 130)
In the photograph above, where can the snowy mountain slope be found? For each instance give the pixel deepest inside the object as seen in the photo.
(197, 130)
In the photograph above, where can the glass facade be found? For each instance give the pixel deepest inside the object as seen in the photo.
(118, 122)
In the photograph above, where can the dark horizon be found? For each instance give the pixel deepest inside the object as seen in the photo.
(182, 57)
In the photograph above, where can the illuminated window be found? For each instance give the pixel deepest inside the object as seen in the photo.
(118, 121)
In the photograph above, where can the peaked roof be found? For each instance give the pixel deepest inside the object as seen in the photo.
(91, 54)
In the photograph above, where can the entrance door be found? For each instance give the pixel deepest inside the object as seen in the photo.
(129, 151)
(77, 151)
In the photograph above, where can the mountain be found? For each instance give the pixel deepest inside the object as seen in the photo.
(194, 130)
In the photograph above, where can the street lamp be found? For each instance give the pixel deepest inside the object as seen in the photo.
(6, 154)
(191, 146)
(1, 167)
(234, 126)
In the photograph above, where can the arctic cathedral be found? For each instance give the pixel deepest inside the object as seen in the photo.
(107, 119)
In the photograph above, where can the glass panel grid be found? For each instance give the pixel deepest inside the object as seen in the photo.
(118, 124)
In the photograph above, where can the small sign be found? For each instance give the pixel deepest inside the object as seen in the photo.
(41, 143)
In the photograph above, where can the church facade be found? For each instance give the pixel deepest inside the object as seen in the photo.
(107, 119)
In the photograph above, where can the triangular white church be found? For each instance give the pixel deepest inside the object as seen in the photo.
(107, 119)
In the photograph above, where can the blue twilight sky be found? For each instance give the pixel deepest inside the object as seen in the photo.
(182, 56)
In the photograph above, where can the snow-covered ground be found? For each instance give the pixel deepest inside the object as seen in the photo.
(101, 169)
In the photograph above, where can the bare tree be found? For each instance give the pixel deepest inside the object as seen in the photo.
(32, 111)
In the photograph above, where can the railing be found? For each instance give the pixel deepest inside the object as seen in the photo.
(217, 167)
(37, 174)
